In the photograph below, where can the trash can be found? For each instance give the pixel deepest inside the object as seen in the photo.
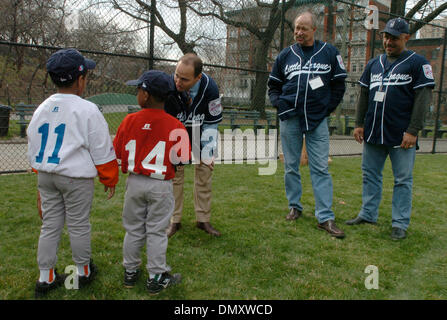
(4, 119)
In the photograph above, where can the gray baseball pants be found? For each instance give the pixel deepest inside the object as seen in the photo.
(148, 207)
(69, 200)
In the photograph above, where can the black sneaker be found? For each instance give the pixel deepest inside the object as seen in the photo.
(130, 278)
(85, 280)
(42, 288)
(397, 233)
(162, 281)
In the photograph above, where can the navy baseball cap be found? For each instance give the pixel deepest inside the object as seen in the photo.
(68, 64)
(154, 81)
(396, 27)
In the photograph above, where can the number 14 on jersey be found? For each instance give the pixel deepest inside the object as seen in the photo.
(158, 152)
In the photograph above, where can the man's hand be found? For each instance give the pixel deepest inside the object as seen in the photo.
(358, 134)
(409, 141)
(209, 163)
(111, 191)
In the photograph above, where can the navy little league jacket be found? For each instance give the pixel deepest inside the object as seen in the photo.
(206, 108)
(386, 121)
(289, 88)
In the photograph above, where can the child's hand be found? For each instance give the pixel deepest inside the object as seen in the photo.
(111, 191)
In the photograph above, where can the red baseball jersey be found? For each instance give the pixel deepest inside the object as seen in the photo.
(151, 142)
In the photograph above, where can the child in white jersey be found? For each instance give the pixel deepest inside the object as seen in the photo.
(68, 145)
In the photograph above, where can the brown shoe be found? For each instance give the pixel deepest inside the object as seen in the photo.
(173, 228)
(206, 226)
(331, 228)
(293, 214)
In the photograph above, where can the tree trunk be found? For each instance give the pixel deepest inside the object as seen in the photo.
(5, 66)
(12, 39)
(30, 85)
(330, 22)
(344, 53)
(185, 47)
(258, 100)
(398, 7)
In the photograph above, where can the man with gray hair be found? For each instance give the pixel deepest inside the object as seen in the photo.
(306, 85)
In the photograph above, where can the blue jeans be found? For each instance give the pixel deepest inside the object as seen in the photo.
(402, 162)
(317, 145)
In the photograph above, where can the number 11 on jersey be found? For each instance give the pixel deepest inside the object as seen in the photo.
(44, 131)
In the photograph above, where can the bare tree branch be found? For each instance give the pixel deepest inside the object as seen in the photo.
(410, 14)
(415, 27)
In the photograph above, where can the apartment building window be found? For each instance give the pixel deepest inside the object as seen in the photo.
(243, 57)
(362, 51)
(354, 67)
(244, 33)
(232, 45)
(265, 16)
(232, 59)
(245, 45)
(363, 3)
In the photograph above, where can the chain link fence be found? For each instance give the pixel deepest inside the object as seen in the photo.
(238, 42)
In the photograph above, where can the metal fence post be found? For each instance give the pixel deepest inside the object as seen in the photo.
(373, 42)
(151, 36)
(281, 46)
(438, 107)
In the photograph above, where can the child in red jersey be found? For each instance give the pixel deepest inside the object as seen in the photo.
(150, 143)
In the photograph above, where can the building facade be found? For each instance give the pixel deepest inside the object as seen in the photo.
(333, 25)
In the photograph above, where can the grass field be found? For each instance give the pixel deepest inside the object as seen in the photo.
(260, 255)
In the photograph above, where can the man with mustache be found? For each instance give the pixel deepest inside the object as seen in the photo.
(396, 89)
(306, 85)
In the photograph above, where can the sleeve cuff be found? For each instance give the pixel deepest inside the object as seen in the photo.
(108, 173)
(413, 131)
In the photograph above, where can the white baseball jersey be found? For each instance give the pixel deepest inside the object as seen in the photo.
(69, 136)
